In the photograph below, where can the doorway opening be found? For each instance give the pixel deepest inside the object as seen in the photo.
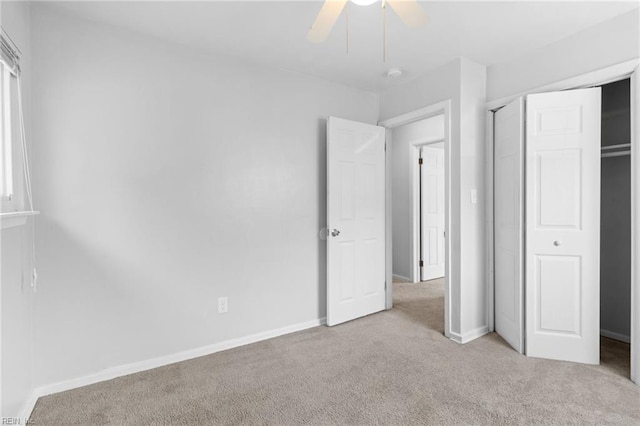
(417, 162)
(615, 227)
(418, 175)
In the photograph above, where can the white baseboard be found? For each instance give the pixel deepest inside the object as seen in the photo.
(401, 278)
(615, 336)
(474, 334)
(28, 406)
(469, 336)
(136, 367)
(455, 337)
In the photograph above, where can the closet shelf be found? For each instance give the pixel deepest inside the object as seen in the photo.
(618, 146)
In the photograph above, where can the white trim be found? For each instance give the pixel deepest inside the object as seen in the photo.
(602, 76)
(455, 337)
(13, 219)
(136, 367)
(471, 335)
(489, 223)
(401, 278)
(388, 150)
(28, 406)
(414, 219)
(635, 226)
(417, 115)
(615, 336)
(440, 108)
(474, 334)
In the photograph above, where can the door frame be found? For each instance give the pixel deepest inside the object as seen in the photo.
(441, 108)
(415, 203)
(596, 78)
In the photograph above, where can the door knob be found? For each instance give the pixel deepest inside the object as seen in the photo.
(335, 233)
(557, 243)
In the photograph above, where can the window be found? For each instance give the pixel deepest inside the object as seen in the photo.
(15, 187)
(6, 166)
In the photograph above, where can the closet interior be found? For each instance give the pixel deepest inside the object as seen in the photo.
(615, 226)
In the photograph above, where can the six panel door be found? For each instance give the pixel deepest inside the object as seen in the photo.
(355, 219)
(562, 248)
(509, 223)
(432, 212)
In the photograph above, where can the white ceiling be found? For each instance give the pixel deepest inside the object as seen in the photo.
(274, 33)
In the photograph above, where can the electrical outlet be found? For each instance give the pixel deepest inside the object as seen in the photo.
(223, 305)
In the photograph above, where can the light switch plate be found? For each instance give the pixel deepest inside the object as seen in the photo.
(223, 305)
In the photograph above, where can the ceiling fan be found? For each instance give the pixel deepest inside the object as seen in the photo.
(409, 12)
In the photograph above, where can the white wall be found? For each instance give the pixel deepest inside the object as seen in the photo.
(436, 86)
(16, 297)
(403, 140)
(611, 42)
(473, 232)
(167, 179)
(463, 83)
(439, 85)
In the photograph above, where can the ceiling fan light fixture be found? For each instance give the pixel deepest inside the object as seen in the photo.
(363, 2)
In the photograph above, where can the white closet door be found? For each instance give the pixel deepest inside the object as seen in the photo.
(562, 248)
(432, 213)
(356, 220)
(509, 223)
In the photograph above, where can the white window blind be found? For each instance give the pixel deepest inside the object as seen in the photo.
(6, 151)
(15, 183)
(9, 53)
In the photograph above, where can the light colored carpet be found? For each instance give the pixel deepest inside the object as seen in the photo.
(394, 367)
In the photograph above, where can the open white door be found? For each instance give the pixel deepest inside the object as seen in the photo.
(562, 248)
(355, 220)
(432, 212)
(509, 223)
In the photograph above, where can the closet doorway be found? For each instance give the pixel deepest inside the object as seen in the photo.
(562, 250)
(615, 225)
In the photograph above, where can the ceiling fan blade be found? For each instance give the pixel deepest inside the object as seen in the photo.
(326, 19)
(410, 12)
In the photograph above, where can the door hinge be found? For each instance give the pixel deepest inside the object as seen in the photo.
(420, 161)
(421, 263)
(385, 285)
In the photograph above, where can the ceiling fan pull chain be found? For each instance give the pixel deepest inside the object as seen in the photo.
(347, 24)
(384, 31)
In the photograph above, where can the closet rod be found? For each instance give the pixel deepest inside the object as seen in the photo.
(622, 145)
(616, 154)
